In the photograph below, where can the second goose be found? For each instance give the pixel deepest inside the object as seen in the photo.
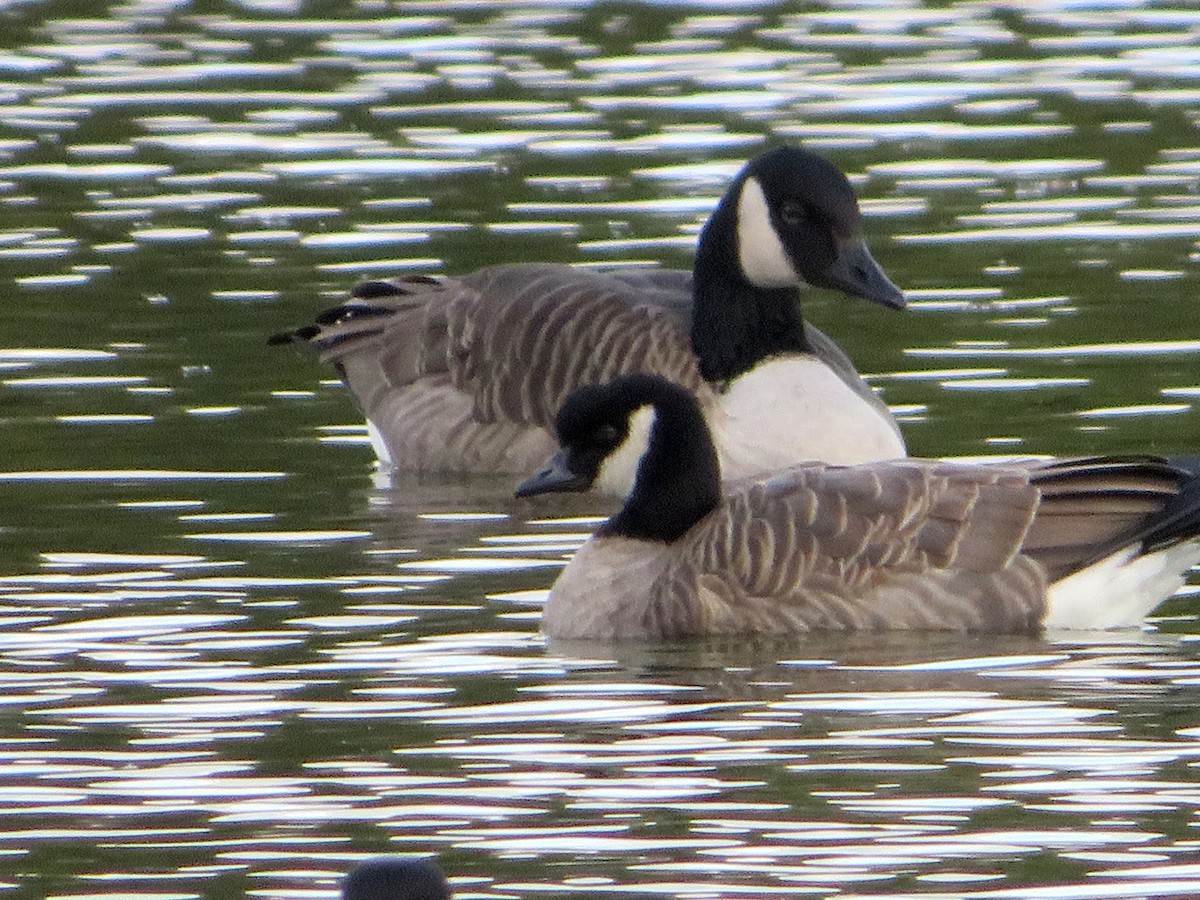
(466, 373)
(905, 544)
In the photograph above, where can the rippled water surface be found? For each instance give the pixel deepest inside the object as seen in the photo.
(234, 659)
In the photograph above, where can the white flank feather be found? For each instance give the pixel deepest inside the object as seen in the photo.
(379, 444)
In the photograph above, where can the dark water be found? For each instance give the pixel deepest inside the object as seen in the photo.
(234, 659)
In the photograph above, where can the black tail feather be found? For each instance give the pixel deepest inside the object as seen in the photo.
(348, 311)
(372, 290)
(356, 308)
(1179, 519)
(1187, 463)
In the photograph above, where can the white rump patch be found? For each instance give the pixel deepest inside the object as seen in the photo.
(761, 255)
(1119, 590)
(620, 467)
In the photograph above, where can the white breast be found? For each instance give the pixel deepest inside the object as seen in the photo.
(792, 409)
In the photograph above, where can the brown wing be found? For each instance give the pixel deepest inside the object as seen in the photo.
(910, 544)
(467, 374)
(522, 337)
(515, 338)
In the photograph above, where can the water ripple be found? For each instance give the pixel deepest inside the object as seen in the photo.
(357, 662)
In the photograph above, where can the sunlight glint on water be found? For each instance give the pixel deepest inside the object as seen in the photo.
(235, 659)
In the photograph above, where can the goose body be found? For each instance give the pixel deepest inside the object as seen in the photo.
(466, 373)
(901, 544)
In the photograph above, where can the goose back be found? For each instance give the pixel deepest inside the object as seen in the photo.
(467, 373)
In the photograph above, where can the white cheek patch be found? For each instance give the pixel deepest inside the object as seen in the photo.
(619, 468)
(761, 255)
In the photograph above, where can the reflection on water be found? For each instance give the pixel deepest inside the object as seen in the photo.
(260, 723)
(231, 664)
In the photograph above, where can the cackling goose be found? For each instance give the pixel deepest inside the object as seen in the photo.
(396, 878)
(901, 544)
(466, 373)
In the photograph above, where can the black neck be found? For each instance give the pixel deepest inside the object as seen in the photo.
(679, 478)
(736, 325)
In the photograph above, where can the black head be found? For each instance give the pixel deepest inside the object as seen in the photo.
(788, 220)
(795, 220)
(678, 478)
(591, 426)
(396, 878)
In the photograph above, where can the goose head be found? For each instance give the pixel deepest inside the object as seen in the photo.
(396, 878)
(789, 220)
(796, 222)
(678, 479)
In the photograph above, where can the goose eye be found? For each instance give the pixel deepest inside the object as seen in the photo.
(608, 436)
(792, 212)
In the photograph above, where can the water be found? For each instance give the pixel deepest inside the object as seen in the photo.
(234, 659)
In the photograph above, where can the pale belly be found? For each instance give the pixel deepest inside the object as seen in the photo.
(795, 409)
(603, 591)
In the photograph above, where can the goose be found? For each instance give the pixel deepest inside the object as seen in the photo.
(465, 374)
(396, 878)
(898, 544)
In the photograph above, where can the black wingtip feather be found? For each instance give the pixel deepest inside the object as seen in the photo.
(293, 336)
(333, 316)
(373, 290)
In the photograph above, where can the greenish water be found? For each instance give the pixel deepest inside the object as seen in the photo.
(234, 659)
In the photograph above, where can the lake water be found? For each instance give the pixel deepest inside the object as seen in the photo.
(234, 659)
